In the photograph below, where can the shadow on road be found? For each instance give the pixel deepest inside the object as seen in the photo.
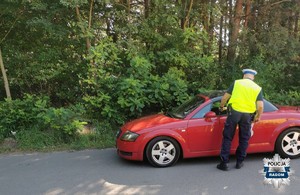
(104, 172)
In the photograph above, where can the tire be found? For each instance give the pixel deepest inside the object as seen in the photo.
(162, 152)
(288, 143)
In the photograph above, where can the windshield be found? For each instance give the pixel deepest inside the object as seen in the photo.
(186, 108)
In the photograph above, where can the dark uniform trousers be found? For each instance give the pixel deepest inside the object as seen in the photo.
(243, 120)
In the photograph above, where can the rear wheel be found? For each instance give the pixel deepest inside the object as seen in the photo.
(288, 143)
(162, 152)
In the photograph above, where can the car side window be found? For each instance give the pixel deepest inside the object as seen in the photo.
(202, 112)
(268, 107)
(214, 107)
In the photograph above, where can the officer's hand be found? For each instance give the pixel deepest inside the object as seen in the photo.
(256, 118)
(221, 109)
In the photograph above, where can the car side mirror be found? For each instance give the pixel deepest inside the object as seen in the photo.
(210, 114)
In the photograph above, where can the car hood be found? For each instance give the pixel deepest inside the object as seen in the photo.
(148, 121)
(289, 108)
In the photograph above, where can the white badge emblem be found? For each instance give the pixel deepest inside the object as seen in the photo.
(276, 171)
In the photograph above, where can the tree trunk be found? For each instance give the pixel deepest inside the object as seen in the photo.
(296, 24)
(221, 39)
(186, 10)
(5, 80)
(90, 23)
(205, 15)
(290, 23)
(146, 8)
(211, 26)
(247, 13)
(234, 31)
(225, 21)
(187, 16)
(88, 41)
(206, 20)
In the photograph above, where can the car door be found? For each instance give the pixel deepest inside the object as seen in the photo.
(205, 133)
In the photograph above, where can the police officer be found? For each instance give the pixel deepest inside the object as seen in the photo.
(245, 98)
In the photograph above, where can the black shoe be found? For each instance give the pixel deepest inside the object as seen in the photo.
(223, 166)
(239, 165)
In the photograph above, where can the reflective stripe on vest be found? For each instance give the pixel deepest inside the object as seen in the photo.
(244, 95)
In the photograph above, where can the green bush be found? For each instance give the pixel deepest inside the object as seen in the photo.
(133, 92)
(291, 98)
(64, 121)
(20, 114)
(24, 116)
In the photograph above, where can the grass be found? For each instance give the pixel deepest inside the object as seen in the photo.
(40, 141)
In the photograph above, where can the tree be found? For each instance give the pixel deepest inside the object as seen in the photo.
(70, 49)
(5, 80)
(235, 21)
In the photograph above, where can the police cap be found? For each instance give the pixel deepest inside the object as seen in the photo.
(249, 71)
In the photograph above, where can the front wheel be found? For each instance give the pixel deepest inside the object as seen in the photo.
(162, 152)
(288, 143)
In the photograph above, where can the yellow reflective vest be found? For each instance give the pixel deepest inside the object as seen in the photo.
(244, 95)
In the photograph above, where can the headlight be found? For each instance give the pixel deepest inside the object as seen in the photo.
(118, 133)
(129, 136)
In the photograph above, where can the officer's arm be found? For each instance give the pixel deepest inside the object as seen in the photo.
(260, 109)
(224, 99)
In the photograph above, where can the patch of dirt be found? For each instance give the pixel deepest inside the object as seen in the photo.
(9, 143)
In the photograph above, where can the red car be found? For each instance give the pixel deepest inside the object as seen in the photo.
(194, 129)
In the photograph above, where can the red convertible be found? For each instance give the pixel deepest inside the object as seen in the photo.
(194, 129)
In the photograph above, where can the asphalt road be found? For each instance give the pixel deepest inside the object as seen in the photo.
(103, 172)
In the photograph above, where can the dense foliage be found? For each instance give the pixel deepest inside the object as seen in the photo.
(107, 61)
(34, 112)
